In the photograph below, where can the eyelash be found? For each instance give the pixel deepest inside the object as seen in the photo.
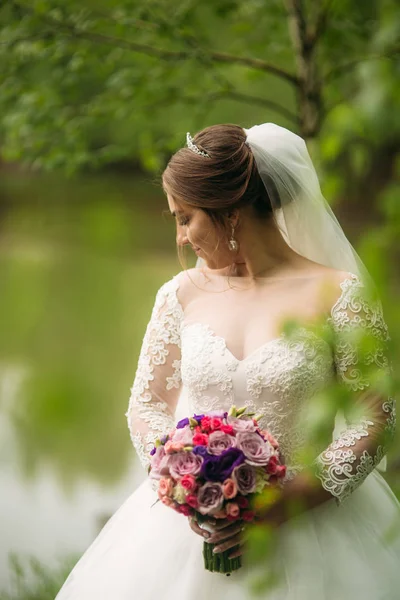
(183, 221)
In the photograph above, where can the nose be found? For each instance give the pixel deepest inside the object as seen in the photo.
(181, 237)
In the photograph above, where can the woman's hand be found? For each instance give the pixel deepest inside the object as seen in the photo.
(226, 534)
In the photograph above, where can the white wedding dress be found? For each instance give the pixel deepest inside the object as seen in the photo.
(334, 552)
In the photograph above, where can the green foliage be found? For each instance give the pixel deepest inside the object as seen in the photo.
(87, 84)
(32, 580)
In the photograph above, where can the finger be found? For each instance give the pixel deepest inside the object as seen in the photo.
(226, 533)
(236, 553)
(231, 543)
(197, 529)
(223, 524)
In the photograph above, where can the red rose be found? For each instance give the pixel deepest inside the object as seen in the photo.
(272, 465)
(200, 439)
(215, 423)
(242, 501)
(227, 429)
(191, 499)
(231, 518)
(281, 470)
(248, 515)
(185, 509)
(206, 424)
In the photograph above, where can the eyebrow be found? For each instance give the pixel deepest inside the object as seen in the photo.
(174, 213)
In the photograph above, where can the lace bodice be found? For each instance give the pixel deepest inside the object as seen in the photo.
(276, 380)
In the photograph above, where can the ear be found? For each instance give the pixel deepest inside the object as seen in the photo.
(233, 217)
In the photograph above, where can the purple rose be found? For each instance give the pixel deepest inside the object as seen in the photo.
(245, 477)
(219, 468)
(184, 463)
(242, 424)
(210, 498)
(182, 423)
(256, 451)
(159, 463)
(218, 442)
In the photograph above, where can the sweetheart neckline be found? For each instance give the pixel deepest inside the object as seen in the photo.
(214, 335)
(351, 277)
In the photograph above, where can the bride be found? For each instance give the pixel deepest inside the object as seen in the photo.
(270, 250)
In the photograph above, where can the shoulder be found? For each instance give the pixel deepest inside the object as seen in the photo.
(334, 287)
(181, 287)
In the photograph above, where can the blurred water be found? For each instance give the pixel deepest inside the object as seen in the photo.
(79, 268)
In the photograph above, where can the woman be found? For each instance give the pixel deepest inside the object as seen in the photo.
(249, 204)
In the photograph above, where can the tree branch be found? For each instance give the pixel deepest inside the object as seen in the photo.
(220, 57)
(233, 95)
(321, 20)
(261, 102)
(341, 69)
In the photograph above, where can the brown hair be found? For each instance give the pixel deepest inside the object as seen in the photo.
(226, 180)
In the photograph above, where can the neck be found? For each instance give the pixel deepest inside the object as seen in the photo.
(262, 252)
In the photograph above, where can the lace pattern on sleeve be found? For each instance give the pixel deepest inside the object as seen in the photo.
(157, 383)
(361, 360)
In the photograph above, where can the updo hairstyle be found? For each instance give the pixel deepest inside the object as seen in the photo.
(225, 181)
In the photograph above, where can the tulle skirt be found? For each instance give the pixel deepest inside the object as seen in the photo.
(146, 551)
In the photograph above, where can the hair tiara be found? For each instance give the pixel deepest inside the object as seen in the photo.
(193, 147)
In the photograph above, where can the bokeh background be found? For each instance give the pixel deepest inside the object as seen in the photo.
(94, 98)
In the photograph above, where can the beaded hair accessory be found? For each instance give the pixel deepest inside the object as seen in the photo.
(193, 147)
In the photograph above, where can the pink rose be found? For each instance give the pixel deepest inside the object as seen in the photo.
(189, 483)
(158, 463)
(210, 498)
(177, 446)
(270, 438)
(229, 489)
(191, 499)
(167, 501)
(184, 463)
(218, 442)
(242, 424)
(183, 435)
(168, 447)
(245, 478)
(232, 510)
(165, 486)
(281, 470)
(256, 451)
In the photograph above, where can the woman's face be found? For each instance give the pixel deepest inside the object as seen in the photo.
(196, 229)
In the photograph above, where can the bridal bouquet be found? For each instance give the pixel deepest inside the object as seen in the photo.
(213, 465)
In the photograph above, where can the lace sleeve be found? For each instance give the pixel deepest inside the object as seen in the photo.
(157, 383)
(362, 365)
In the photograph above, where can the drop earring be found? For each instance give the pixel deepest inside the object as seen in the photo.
(233, 245)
